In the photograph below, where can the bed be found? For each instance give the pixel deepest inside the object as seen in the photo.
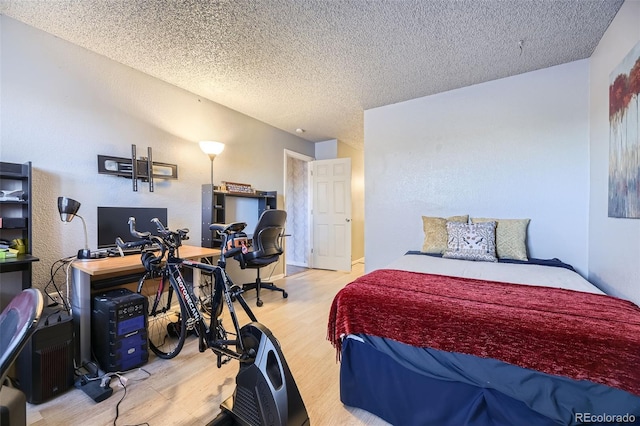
(439, 341)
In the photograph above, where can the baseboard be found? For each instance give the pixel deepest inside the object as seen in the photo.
(300, 264)
(361, 260)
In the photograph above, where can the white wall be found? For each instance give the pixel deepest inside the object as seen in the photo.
(63, 105)
(510, 148)
(614, 244)
(357, 198)
(326, 150)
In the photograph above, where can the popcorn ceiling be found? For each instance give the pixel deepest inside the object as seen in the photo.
(318, 65)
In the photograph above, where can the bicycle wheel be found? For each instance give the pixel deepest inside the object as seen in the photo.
(166, 329)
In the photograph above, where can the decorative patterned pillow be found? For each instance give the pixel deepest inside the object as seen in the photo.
(511, 237)
(473, 241)
(435, 232)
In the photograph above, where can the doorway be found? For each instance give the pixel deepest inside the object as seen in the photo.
(297, 204)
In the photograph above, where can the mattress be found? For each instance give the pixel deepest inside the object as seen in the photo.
(506, 390)
(516, 273)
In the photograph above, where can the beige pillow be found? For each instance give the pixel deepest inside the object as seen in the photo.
(511, 237)
(435, 232)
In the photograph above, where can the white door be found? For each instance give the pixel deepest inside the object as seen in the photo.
(331, 214)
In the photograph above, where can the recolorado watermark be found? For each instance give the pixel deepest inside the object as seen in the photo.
(604, 418)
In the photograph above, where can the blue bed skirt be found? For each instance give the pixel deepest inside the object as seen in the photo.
(374, 380)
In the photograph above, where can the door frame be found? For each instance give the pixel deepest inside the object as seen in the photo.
(307, 159)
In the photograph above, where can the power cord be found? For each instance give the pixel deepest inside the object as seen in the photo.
(55, 269)
(105, 381)
(56, 312)
(124, 386)
(123, 380)
(273, 269)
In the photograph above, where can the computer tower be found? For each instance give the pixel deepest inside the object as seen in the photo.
(119, 330)
(44, 368)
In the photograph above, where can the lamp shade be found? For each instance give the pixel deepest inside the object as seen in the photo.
(211, 148)
(67, 207)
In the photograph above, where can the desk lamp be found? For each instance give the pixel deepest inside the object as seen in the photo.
(211, 148)
(68, 209)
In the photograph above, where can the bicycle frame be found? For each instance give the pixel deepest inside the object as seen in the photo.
(208, 334)
(223, 285)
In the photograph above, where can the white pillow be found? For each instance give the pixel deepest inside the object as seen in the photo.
(473, 241)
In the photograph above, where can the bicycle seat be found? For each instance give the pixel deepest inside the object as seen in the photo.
(228, 228)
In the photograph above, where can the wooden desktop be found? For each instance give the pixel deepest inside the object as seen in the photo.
(86, 272)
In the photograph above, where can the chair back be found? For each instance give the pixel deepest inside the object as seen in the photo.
(18, 321)
(268, 234)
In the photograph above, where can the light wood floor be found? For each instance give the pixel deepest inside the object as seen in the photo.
(188, 390)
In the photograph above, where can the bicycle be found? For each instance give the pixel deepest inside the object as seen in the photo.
(174, 311)
(265, 392)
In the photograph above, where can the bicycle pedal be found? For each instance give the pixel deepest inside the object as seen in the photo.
(222, 359)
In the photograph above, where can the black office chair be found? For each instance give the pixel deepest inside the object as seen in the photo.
(266, 249)
(18, 321)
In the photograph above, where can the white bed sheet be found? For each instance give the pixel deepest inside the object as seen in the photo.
(515, 273)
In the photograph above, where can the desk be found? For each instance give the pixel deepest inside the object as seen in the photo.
(110, 267)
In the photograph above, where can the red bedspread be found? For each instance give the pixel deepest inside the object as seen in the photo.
(562, 332)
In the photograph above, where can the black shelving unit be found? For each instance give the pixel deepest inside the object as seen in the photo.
(213, 209)
(16, 224)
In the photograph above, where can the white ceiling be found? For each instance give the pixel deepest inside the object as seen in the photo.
(318, 64)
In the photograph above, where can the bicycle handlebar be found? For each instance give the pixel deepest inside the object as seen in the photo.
(159, 224)
(134, 232)
(132, 244)
(168, 240)
(180, 233)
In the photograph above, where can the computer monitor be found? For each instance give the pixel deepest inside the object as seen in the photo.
(113, 222)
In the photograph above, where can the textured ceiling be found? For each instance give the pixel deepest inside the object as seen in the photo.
(318, 64)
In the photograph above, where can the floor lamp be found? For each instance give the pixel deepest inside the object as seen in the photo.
(212, 149)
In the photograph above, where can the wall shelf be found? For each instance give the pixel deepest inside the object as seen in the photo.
(213, 209)
(16, 177)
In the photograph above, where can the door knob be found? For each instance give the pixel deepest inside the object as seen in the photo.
(348, 220)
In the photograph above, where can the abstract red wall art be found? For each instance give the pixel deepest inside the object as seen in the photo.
(624, 139)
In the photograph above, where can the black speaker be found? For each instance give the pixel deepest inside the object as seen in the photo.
(44, 368)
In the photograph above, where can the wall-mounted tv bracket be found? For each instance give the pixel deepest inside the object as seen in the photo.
(143, 168)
